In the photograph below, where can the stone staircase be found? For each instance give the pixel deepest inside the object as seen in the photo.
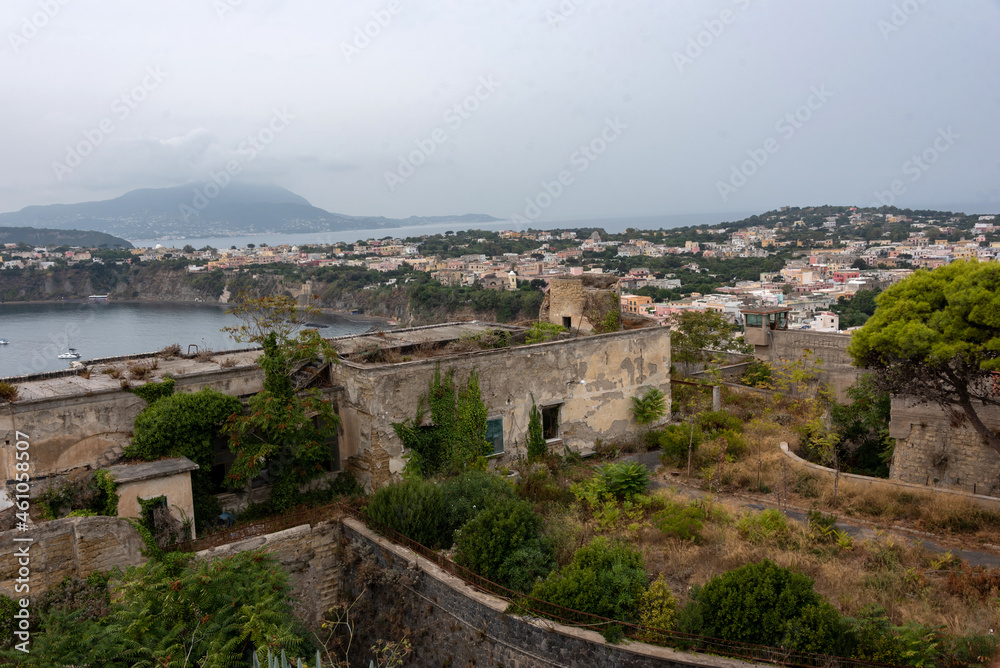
(110, 457)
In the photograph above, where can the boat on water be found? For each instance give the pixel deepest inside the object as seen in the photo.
(71, 355)
(4, 342)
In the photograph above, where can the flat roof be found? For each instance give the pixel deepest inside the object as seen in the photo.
(416, 336)
(69, 382)
(163, 468)
(765, 310)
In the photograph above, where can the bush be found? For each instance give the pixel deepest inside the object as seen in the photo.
(876, 639)
(714, 422)
(767, 526)
(605, 578)
(7, 621)
(674, 440)
(8, 392)
(502, 539)
(537, 448)
(414, 508)
(680, 520)
(657, 608)
(624, 480)
(468, 494)
(758, 374)
(764, 604)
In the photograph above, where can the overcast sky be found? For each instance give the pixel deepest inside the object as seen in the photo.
(683, 106)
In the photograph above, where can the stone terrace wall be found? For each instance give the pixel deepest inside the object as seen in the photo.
(931, 450)
(452, 624)
(310, 554)
(70, 547)
(789, 345)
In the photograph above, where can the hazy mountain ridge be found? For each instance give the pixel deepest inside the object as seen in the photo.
(189, 212)
(49, 237)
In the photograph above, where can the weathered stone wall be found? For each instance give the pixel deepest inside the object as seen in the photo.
(451, 624)
(932, 449)
(310, 555)
(91, 429)
(568, 297)
(592, 377)
(70, 547)
(790, 345)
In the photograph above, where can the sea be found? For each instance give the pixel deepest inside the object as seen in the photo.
(37, 333)
(610, 225)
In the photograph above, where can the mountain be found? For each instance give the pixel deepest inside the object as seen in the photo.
(204, 210)
(47, 237)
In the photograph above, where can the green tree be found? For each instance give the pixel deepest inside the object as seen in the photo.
(935, 336)
(650, 407)
(285, 429)
(536, 439)
(696, 336)
(174, 613)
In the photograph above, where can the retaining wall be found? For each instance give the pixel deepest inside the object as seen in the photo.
(453, 624)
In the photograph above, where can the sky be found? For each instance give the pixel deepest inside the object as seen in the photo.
(522, 109)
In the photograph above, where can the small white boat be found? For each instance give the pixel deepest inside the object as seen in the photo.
(4, 342)
(71, 355)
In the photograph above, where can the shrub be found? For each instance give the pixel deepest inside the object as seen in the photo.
(974, 650)
(469, 493)
(7, 621)
(542, 331)
(502, 539)
(674, 440)
(537, 448)
(758, 374)
(414, 508)
(650, 407)
(767, 526)
(680, 520)
(8, 392)
(605, 578)
(624, 480)
(713, 422)
(876, 639)
(657, 608)
(764, 604)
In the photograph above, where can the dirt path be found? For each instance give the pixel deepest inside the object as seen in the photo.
(858, 529)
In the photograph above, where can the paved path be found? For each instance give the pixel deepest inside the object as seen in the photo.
(856, 528)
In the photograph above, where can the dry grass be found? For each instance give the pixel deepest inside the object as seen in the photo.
(171, 351)
(8, 392)
(142, 369)
(890, 572)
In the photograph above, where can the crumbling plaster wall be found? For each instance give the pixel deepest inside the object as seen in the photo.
(934, 449)
(568, 297)
(90, 429)
(593, 378)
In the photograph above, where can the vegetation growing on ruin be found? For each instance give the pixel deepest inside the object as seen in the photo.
(173, 612)
(455, 439)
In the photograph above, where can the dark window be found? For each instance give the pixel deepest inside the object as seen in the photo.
(550, 421)
(494, 434)
(223, 461)
(567, 322)
(754, 320)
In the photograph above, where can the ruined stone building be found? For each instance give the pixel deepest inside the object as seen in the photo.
(82, 419)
